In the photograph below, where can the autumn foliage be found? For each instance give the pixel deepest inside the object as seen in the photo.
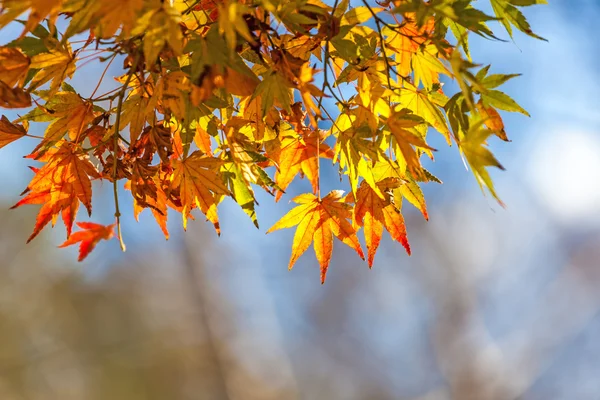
(218, 98)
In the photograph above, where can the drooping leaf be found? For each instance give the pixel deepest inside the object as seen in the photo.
(10, 132)
(374, 213)
(13, 66)
(477, 154)
(162, 28)
(89, 237)
(63, 182)
(197, 180)
(318, 221)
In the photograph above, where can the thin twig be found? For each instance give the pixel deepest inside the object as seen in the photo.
(112, 58)
(115, 146)
(379, 22)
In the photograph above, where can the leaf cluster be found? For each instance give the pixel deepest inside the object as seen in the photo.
(219, 98)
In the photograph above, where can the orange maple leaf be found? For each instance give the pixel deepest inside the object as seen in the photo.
(198, 181)
(13, 97)
(407, 41)
(299, 154)
(13, 66)
(59, 186)
(374, 213)
(10, 132)
(492, 119)
(148, 193)
(401, 126)
(318, 221)
(89, 237)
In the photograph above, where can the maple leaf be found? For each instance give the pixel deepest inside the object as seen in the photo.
(319, 220)
(474, 148)
(162, 27)
(202, 140)
(240, 83)
(204, 12)
(116, 14)
(139, 106)
(274, 89)
(59, 186)
(55, 66)
(401, 126)
(171, 92)
(71, 115)
(510, 15)
(198, 181)
(149, 193)
(423, 104)
(243, 170)
(351, 147)
(13, 66)
(89, 237)
(374, 213)
(245, 153)
(231, 23)
(427, 67)
(39, 10)
(13, 71)
(263, 128)
(411, 191)
(407, 40)
(299, 153)
(241, 190)
(307, 91)
(492, 119)
(13, 97)
(10, 132)
(405, 186)
(135, 113)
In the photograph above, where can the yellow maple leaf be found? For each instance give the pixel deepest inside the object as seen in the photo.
(162, 28)
(401, 124)
(13, 66)
(55, 66)
(38, 10)
(231, 22)
(198, 181)
(71, 115)
(115, 14)
(318, 221)
(374, 213)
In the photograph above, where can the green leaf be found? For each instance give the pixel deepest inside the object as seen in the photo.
(274, 87)
(478, 156)
(29, 45)
(242, 192)
(495, 80)
(510, 15)
(502, 101)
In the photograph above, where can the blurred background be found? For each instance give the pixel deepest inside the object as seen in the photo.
(494, 304)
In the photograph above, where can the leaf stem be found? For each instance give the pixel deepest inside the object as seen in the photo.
(34, 136)
(320, 105)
